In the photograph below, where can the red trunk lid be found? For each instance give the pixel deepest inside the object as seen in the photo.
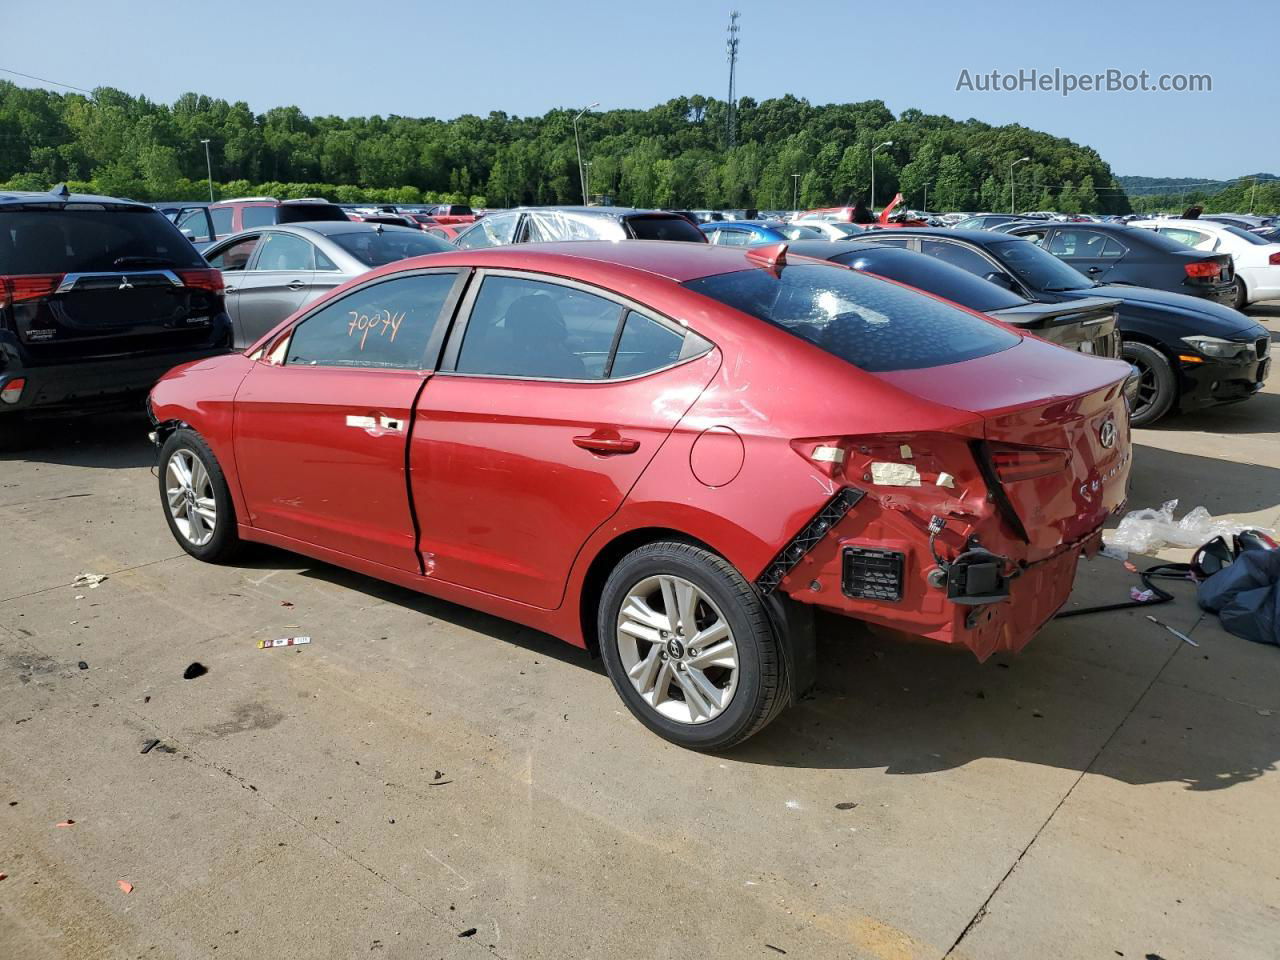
(1034, 399)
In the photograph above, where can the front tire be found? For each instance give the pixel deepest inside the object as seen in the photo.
(689, 646)
(1157, 385)
(197, 503)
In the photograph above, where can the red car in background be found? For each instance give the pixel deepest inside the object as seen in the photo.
(452, 213)
(667, 453)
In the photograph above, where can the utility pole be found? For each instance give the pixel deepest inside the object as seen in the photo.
(887, 143)
(582, 174)
(586, 181)
(925, 204)
(1011, 194)
(731, 115)
(795, 191)
(208, 164)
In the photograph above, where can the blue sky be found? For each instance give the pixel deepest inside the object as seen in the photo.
(428, 58)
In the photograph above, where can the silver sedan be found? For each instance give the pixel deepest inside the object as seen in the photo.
(271, 272)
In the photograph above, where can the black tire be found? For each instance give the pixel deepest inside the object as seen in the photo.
(1241, 298)
(1158, 387)
(225, 543)
(15, 432)
(762, 688)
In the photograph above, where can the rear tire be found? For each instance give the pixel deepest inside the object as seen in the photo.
(1241, 298)
(706, 678)
(197, 503)
(1157, 387)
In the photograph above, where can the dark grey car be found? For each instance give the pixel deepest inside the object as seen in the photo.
(271, 272)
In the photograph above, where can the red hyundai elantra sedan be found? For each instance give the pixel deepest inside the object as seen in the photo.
(667, 453)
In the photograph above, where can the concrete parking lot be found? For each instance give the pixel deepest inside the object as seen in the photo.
(425, 781)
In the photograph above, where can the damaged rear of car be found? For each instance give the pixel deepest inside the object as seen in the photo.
(966, 467)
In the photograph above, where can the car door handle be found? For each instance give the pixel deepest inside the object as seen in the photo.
(1094, 270)
(607, 444)
(228, 289)
(295, 284)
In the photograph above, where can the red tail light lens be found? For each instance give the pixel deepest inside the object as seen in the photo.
(11, 392)
(208, 279)
(27, 287)
(1202, 269)
(1026, 463)
(1274, 259)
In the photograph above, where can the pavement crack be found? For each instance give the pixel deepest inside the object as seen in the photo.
(981, 912)
(110, 573)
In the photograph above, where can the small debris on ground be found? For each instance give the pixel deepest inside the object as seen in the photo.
(1037, 714)
(196, 669)
(82, 665)
(149, 746)
(1264, 713)
(289, 603)
(90, 580)
(66, 823)
(775, 949)
(282, 642)
(469, 932)
(846, 805)
(79, 596)
(125, 886)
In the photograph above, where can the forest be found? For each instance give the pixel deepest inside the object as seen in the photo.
(787, 152)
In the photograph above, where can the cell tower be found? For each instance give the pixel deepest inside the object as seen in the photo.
(731, 117)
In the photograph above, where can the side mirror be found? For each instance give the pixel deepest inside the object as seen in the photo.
(190, 235)
(1001, 280)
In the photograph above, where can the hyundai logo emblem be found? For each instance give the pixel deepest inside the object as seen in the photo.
(1107, 434)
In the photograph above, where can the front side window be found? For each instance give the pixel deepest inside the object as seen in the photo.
(221, 220)
(493, 231)
(385, 325)
(284, 251)
(236, 255)
(1038, 268)
(870, 323)
(958, 256)
(528, 328)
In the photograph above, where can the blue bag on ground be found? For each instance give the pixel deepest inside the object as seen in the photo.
(1246, 596)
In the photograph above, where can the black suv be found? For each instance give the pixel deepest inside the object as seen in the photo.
(98, 298)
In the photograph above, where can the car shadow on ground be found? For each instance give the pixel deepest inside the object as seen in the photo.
(108, 440)
(1259, 414)
(1220, 486)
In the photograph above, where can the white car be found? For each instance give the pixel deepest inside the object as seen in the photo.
(1256, 260)
(829, 229)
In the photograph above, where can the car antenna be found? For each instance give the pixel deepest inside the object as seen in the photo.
(377, 228)
(61, 191)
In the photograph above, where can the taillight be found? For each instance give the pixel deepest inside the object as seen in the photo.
(204, 279)
(1203, 268)
(1026, 463)
(11, 392)
(16, 289)
(1274, 259)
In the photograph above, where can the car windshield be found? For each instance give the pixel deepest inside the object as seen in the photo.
(1039, 269)
(874, 325)
(377, 247)
(664, 228)
(933, 276)
(86, 239)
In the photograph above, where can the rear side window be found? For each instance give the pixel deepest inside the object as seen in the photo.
(664, 228)
(309, 212)
(259, 216)
(284, 251)
(71, 240)
(375, 248)
(645, 345)
(386, 325)
(221, 220)
(874, 325)
(527, 328)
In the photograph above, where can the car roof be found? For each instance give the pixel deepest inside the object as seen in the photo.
(674, 260)
(20, 197)
(594, 211)
(326, 228)
(980, 237)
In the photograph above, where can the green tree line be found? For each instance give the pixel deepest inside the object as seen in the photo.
(672, 155)
(1239, 196)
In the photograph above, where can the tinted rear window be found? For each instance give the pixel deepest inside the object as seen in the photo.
(375, 248)
(933, 276)
(664, 228)
(874, 325)
(76, 240)
(310, 212)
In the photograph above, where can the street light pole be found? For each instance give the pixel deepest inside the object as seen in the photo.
(582, 178)
(586, 181)
(925, 204)
(887, 143)
(795, 191)
(208, 164)
(1012, 206)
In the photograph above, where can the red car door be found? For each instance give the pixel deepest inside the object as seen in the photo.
(550, 402)
(323, 419)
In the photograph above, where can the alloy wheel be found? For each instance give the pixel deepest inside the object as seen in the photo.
(677, 649)
(189, 489)
(1148, 388)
